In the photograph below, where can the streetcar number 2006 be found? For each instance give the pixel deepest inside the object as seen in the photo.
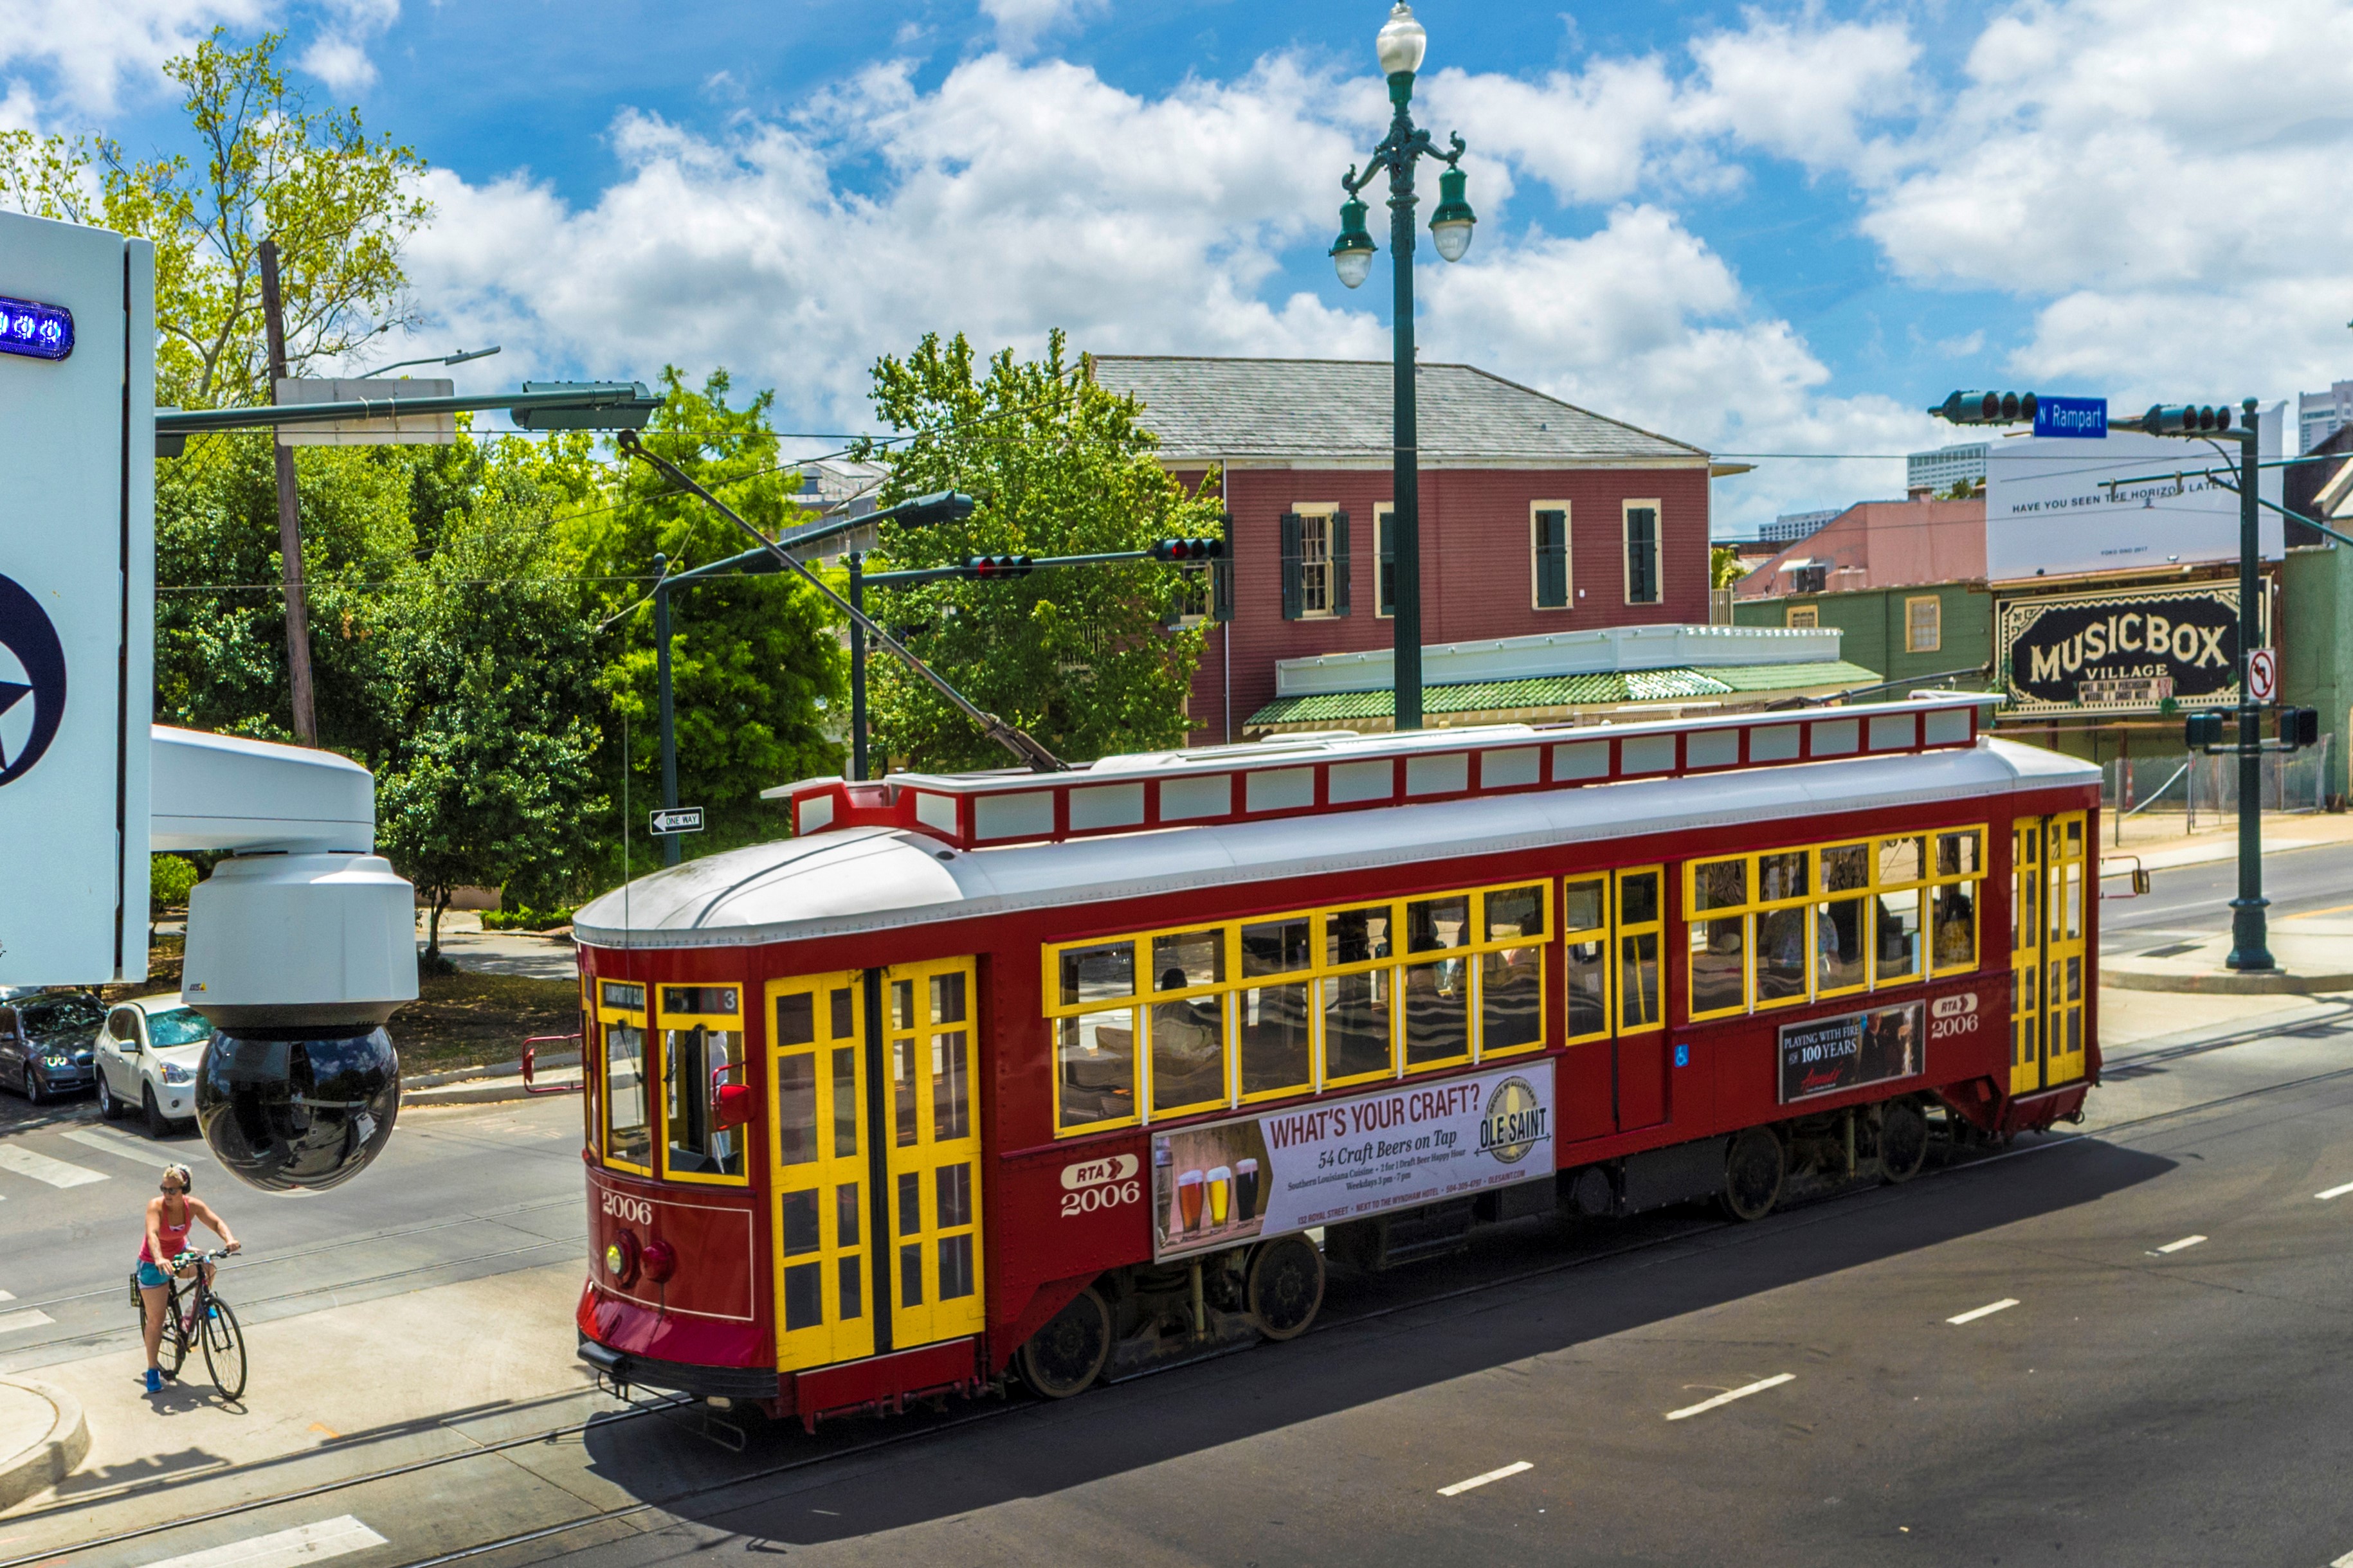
(1101, 1184)
(1089, 1199)
(628, 1210)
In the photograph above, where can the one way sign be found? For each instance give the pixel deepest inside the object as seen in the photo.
(676, 819)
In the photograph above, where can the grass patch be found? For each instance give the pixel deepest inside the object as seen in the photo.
(467, 1019)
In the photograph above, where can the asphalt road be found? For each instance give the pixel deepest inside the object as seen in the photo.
(2194, 900)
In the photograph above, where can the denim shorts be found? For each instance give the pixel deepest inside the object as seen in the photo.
(151, 1277)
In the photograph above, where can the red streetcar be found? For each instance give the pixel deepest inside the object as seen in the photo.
(1083, 1072)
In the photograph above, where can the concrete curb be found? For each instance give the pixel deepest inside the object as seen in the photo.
(2224, 982)
(484, 1090)
(53, 1458)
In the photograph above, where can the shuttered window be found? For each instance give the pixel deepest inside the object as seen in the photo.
(1548, 543)
(1314, 564)
(1385, 521)
(1642, 552)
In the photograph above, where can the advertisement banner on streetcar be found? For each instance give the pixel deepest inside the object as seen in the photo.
(1263, 1175)
(1828, 1055)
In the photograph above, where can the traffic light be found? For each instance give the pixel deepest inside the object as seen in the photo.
(1988, 408)
(2186, 419)
(1185, 552)
(2203, 731)
(989, 566)
(2299, 728)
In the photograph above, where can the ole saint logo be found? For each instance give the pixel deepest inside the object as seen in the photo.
(1514, 1122)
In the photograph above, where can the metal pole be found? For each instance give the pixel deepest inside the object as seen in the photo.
(2249, 943)
(857, 668)
(1406, 480)
(669, 726)
(289, 517)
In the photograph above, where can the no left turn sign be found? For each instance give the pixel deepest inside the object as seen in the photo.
(2263, 675)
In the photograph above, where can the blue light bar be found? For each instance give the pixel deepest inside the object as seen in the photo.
(34, 330)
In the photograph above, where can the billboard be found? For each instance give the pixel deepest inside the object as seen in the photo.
(1262, 1175)
(2051, 509)
(77, 601)
(1830, 1056)
(2119, 650)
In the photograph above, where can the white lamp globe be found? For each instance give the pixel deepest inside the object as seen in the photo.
(1401, 41)
(1451, 238)
(1353, 266)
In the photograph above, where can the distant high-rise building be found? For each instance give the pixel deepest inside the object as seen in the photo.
(2320, 415)
(1941, 470)
(1792, 525)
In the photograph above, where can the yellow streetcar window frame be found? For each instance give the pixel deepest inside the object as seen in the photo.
(696, 1012)
(625, 1002)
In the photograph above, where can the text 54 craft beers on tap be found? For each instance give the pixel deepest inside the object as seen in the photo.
(1223, 1182)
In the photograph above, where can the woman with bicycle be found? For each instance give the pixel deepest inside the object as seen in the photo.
(169, 1216)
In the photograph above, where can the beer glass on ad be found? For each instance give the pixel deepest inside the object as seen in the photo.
(1221, 1192)
(1188, 1199)
(1245, 1190)
(1163, 1172)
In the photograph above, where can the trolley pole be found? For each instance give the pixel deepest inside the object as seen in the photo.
(663, 702)
(856, 562)
(2250, 938)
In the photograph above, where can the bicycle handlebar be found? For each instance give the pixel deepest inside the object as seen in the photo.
(193, 1255)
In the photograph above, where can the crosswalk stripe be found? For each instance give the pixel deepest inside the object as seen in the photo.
(41, 1168)
(130, 1148)
(30, 1317)
(286, 1549)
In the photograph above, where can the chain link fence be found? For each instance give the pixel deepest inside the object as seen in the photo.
(2201, 789)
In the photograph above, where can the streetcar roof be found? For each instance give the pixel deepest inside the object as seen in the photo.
(864, 880)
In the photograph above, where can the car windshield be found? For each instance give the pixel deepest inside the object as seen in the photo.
(60, 1015)
(179, 1026)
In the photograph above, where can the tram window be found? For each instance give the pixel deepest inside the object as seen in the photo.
(1719, 885)
(951, 1080)
(1356, 1026)
(695, 1063)
(1955, 927)
(628, 1140)
(1436, 1013)
(845, 1100)
(1839, 960)
(1356, 936)
(622, 997)
(718, 1000)
(853, 1289)
(903, 1129)
(1433, 925)
(1586, 903)
(911, 1274)
(1589, 987)
(849, 1220)
(1896, 939)
(1638, 899)
(805, 1296)
(1718, 965)
(1102, 973)
(800, 1226)
(1277, 1047)
(955, 1195)
(1186, 959)
(1846, 867)
(2074, 980)
(1781, 955)
(910, 1203)
(1510, 999)
(1781, 875)
(1095, 1068)
(844, 1015)
(1188, 1053)
(2074, 902)
(1957, 855)
(955, 1264)
(1900, 860)
(2074, 828)
(1513, 913)
(1638, 981)
(903, 1003)
(795, 1019)
(947, 998)
(1277, 947)
(797, 1109)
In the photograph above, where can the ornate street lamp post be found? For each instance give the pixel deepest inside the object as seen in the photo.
(1400, 46)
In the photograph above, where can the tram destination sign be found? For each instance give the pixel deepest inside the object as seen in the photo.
(2121, 650)
(674, 820)
(1829, 1056)
(1265, 1176)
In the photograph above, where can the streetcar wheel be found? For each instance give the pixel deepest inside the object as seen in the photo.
(1902, 1140)
(1068, 1354)
(1286, 1287)
(1753, 1169)
(224, 1350)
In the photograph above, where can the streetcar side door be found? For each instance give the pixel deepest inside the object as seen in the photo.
(2049, 874)
(816, 1083)
(1639, 930)
(2026, 1032)
(932, 1125)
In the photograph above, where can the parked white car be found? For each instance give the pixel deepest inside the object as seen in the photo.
(148, 1054)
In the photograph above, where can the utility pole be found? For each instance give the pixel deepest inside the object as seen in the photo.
(290, 519)
(2249, 941)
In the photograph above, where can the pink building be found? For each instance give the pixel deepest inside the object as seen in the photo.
(1878, 545)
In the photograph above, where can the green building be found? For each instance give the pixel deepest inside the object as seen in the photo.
(1930, 629)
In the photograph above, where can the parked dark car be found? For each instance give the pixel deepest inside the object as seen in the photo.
(45, 1041)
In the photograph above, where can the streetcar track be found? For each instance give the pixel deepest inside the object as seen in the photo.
(1697, 1232)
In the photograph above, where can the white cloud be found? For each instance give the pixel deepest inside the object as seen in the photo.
(1020, 23)
(91, 52)
(338, 55)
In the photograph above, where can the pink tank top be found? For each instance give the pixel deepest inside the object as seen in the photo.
(175, 1236)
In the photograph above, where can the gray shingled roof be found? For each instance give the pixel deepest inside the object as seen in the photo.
(1291, 408)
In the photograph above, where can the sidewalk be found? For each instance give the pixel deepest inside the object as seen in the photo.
(2313, 949)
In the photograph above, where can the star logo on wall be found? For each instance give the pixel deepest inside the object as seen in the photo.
(32, 681)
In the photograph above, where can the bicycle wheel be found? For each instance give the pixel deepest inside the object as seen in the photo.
(173, 1348)
(224, 1350)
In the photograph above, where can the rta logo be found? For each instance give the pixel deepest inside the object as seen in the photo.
(32, 681)
(1959, 1006)
(1950, 1015)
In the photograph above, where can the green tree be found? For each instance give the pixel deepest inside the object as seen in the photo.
(757, 671)
(1083, 657)
(266, 165)
(1725, 566)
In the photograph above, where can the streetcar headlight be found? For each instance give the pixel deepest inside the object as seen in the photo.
(621, 1259)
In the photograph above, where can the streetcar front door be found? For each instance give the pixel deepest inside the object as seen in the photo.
(1639, 912)
(2049, 884)
(817, 1079)
(932, 1122)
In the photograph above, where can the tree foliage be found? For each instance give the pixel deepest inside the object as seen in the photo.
(1082, 658)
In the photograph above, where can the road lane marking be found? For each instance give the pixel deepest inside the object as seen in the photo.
(130, 1148)
(2183, 1244)
(41, 1168)
(287, 1549)
(1458, 1488)
(30, 1317)
(1776, 1381)
(1974, 1313)
(2343, 1562)
(2335, 1193)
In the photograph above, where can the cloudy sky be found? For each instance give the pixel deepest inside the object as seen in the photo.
(1773, 230)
